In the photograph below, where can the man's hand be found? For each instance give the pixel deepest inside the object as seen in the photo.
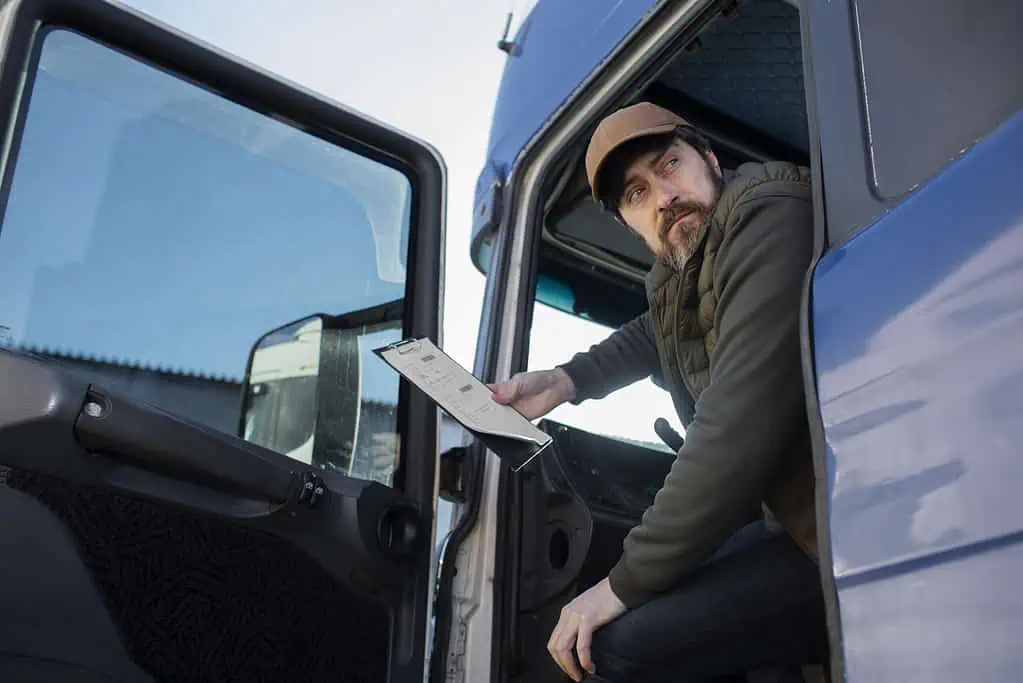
(534, 394)
(579, 619)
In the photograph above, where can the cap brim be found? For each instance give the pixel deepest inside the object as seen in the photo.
(635, 135)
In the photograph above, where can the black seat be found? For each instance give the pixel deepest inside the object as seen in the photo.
(53, 623)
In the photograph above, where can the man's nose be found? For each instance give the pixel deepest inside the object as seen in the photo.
(666, 193)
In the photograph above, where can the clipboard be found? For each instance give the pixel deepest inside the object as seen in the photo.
(467, 400)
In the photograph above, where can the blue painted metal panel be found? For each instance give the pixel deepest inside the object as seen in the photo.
(557, 47)
(918, 337)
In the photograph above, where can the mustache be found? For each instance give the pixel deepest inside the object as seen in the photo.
(676, 210)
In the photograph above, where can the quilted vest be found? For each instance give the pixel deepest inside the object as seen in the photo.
(683, 310)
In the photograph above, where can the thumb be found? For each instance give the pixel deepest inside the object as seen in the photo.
(506, 392)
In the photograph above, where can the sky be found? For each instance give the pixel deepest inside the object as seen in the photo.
(431, 69)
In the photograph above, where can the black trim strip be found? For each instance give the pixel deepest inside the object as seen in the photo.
(816, 424)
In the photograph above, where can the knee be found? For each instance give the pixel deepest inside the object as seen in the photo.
(611, 655)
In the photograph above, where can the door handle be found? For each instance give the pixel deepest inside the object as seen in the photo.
(148, 438)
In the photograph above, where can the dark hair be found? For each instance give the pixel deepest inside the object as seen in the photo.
(611, 179)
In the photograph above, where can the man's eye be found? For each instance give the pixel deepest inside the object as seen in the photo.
(634, 196)
(671, 163)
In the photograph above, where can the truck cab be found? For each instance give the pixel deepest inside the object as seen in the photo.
(181, 234)
(908, 116)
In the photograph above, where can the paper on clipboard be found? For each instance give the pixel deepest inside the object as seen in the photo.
(506, 432)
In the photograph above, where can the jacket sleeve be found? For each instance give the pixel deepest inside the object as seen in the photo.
(628, 355)
(753, 405)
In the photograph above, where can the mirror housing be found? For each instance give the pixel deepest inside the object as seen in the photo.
(282, 386)
(302, 391)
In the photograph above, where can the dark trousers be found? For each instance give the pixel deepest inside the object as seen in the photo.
(757, 604)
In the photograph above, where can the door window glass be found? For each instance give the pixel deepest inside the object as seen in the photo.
(934, 82)
(155, 231)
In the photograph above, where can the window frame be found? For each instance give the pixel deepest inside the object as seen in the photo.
(138, 37)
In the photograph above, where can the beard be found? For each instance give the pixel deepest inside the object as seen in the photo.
(676, 255)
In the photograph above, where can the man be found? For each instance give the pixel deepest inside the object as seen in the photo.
(700, 592)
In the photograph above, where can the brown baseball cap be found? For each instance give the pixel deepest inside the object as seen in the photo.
(632, 122)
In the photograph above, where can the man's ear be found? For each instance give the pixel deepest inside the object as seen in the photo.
(713, 159)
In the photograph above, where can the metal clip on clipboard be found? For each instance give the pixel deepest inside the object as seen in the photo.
(467, 400)
(405, 347)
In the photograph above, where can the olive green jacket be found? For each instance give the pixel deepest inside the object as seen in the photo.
(723, 337)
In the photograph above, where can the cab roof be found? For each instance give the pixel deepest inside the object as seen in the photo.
(558, 45)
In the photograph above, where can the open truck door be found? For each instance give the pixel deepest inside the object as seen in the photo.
(164, 206)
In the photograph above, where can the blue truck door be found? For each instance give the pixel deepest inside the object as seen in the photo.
(916, 331)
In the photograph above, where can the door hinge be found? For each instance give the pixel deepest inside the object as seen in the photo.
(452, 474)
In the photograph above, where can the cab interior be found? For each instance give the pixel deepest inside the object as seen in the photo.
(740, 82)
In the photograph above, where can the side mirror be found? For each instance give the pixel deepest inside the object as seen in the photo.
(303, 390)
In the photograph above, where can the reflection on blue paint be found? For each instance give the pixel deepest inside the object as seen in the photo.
(918, 341)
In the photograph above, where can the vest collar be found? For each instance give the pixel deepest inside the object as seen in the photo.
(735, 181)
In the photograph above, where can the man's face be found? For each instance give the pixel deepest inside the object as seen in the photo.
(667, 195)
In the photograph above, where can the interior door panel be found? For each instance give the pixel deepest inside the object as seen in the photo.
(197, 598)
(212, 561)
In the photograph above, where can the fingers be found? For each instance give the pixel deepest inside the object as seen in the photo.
(583, 641)
(531, 393)
(495, 392)
(561, 644)
(507, 392)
